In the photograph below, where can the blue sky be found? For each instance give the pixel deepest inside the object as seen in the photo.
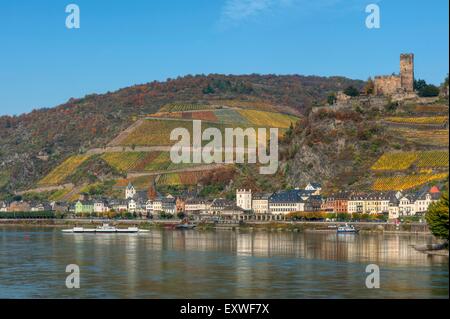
(122, 43)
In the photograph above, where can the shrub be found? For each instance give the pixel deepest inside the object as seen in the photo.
(351, 91)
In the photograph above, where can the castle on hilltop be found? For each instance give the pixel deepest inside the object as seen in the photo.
(397, 84)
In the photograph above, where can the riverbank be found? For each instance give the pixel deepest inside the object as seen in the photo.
(298, 226)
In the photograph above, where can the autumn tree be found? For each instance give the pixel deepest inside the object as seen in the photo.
(437, 217)
(369, 88)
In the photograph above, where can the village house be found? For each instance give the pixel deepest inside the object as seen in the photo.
(84, 207)
(41, 207)
(165, 204)
(218, 205)
(314, 203)
(232, 212)
(4, 206)
(100, 207)
(260, 203)
(377, 203)
(149, 207)
(196, 206)
(337, 203)
(356, 204)
(285, 202)
(119, 205)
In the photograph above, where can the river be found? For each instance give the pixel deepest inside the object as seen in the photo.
(216, 264)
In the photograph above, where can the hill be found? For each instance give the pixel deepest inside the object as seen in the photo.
(34, 144)
(366, 148)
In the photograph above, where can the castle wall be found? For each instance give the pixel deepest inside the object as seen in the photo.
(387, 85)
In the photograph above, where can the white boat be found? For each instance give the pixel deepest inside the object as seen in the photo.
(105, 229)
(347, 229)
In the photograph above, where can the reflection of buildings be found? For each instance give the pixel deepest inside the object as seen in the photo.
(240, 264)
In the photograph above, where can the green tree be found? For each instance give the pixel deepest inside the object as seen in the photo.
(437, 217)
(351, 91)
(208, 90)
(419, 84)
(331, 99)
(429, 91)
(424, 89)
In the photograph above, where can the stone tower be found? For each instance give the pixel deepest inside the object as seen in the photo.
(244, 199)
(407, 72)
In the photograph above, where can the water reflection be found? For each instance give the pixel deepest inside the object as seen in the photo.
(223, 264)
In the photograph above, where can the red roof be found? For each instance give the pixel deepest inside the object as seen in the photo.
(434, 189)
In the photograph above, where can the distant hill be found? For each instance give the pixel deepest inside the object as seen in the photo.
(34, 144)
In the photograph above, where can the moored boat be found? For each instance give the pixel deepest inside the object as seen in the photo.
(104, 229)
(347, 229)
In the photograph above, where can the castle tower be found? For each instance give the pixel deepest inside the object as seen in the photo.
(407, 72)
(244, 199)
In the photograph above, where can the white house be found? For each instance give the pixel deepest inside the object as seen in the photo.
(100, 207)
(149, 206)
(194, 205)
(260, 203)
(285, 202)
(164, 204)
(3, 207)
(132, 206)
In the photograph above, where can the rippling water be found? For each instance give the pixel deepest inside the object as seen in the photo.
(222, 264)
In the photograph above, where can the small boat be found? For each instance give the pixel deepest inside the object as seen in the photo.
(185, 226)
(105, 229)
(347, 229)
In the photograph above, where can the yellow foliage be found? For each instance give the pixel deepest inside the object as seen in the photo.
(61, 172)
(405, 182)
(418, 120)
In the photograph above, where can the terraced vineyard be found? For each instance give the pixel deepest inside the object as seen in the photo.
(180, 107)
(185, 178)
(208, 116)
(154, 132)
(395, 161)
(59, 194)
(161, 162)
(433, 159)
(172, 179)
(60, 173)
(124, 161)
(418, 120)
(403, 160)
(140, 183)
(268, 119)
(231, 117)
(406, 182)
(423, 137)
